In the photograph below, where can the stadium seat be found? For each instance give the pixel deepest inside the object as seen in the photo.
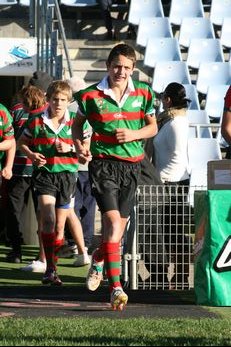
(195, 28)
(200, 151)
(192, 94)
(204, 50)
(225, 36)
(78, 3)
(214, 101)
(8, 2)
(180, 9)
(198, 181)
(197, 121)
(153, 27)
(211, 74)
(167, 72)
(161, 49)
(24, 3)
(144, 8)
(219, 10)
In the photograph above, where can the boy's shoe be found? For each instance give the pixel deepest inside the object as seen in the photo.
(68, 250)
(81, 260)
(51, 277)
(119, 299)
(35, 266)
(95, 275)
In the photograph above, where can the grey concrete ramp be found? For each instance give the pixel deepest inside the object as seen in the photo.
(39, 301)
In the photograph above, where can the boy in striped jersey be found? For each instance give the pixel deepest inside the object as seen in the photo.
(7, 143)
(47, 141)
(120, 111)
(20, 185)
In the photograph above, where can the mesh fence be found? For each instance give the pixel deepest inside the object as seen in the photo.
(163, 228)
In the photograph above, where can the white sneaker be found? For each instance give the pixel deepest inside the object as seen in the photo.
(68, 251)
(95, 274)
(81, 260)
(35, 266)
(119, 299)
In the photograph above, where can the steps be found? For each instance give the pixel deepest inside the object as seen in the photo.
(88, 60)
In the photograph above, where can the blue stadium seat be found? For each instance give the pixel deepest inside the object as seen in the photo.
(204, 50)
(152, 27)
(213, 74)
(198, 119)
(161, 49)
(167, 72)
(214, 101)
(225, 36)
(195, 27)
(219, 10)
(201, 150)
(24, 2)
(180, 9)
(8, 2)
(144, 8)
(78, 3)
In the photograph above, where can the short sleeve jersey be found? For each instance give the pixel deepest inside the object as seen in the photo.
(43, 138)
(105, 115)
(6, 129)
(22, 164)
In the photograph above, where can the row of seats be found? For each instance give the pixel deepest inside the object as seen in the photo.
(168, 48)
(209, 74)
(179, 9)
(195, 56)
(14, 2)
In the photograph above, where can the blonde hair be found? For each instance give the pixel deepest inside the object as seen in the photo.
(59, 86)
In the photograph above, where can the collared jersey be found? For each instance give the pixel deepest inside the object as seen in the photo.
(43, 138)
(22, 164)
(105, 115)
(6, 129)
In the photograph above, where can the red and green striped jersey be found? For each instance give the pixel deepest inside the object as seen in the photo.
(6, 129)
(43, 138)
(22, 164)
(105, 115)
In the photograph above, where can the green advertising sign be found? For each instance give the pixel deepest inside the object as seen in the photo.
(212, 275)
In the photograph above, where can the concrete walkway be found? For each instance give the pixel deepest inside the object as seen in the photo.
(76, 301)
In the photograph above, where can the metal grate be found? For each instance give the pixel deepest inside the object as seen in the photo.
(164, 229)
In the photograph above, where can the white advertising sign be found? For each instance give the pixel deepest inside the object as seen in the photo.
(18, 56)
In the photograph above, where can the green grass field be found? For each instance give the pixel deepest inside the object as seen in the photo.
(79, 331)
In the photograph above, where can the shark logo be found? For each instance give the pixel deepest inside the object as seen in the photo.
(19, 52)
(223, 260)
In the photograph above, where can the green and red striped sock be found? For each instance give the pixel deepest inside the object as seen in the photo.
(112, 263)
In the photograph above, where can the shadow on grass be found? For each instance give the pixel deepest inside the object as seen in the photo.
(18, 275)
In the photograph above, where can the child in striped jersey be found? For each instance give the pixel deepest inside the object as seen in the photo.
(120, 111)
(20, 186)
(47, 141)
(7, 143)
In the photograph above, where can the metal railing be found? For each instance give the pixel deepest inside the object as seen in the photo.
(45, 23)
